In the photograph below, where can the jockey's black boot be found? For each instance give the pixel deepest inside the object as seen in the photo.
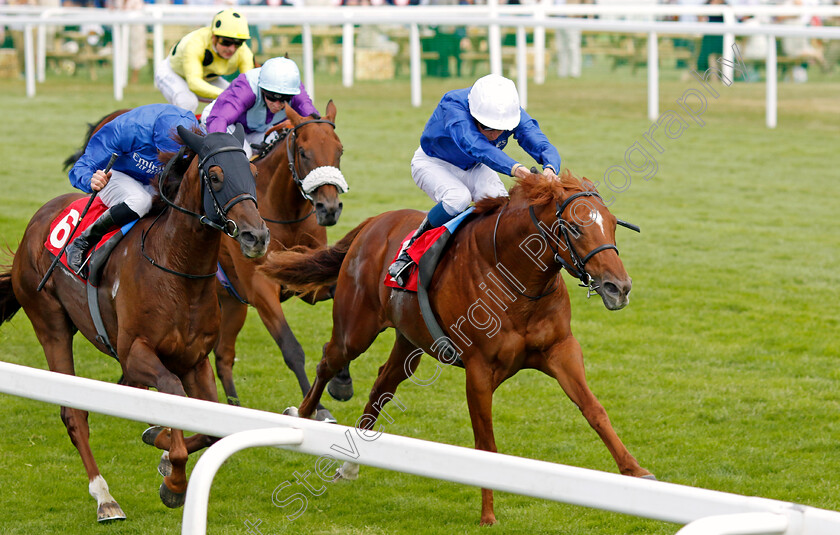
(399, 270)
(77, 250)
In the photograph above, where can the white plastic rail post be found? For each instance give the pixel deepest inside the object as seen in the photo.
(198, 490)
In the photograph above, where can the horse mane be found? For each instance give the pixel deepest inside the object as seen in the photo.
(176, 174)
(535, 189)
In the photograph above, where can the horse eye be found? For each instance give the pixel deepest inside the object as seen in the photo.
(302, 153)
(216, 180)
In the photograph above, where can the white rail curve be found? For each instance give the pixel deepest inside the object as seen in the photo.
(704, 511)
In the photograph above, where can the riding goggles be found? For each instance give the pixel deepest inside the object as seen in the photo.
(276, 97)
(227, 41)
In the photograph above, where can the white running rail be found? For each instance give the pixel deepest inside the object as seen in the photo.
(491, 16)
(611, 492)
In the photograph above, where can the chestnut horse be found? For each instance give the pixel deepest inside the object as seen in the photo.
(298, 187)
(157, 296)
(498, 292)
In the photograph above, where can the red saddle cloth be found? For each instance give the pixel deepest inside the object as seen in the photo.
(416, 251)
(62, 225)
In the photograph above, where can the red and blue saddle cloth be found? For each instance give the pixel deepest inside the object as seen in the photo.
(430, 245)
(62, 225)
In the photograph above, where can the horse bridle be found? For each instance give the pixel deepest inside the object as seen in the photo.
(577, 268)
(228, 226)
(291, 138)
(290, 154)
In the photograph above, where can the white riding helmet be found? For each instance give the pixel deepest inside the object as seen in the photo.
(280, 75)
(494, 102)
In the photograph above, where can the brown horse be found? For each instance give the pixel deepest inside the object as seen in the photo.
(288, 204)
(498, 293)
(159, 307)
(289, 198)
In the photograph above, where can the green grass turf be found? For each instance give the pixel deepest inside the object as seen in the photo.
(720, 374)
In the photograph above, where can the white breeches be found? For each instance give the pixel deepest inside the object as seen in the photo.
(453, 186)
(123, 188)
(175, 89)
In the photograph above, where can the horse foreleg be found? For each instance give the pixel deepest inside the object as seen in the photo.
(267, 303)
(233, 318)
(480, 390)
(199, 384)
(143, 366)
(323, 373)
(564, 363)
(173, 490)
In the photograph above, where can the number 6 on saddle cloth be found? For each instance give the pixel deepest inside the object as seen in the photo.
(61, 230)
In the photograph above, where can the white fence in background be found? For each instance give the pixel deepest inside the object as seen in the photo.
(541, 16)
(705, 512)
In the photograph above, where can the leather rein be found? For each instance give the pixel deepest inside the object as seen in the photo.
(577, 267)
(228, 227)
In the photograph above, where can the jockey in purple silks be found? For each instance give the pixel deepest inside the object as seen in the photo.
(257, 100)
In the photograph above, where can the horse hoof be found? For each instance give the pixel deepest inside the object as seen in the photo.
(324, 415)
(151, 434)
(348, 471)
(291, 411)
(165, 465)
(650, 476)
(173, 500)
(340, 390)
(109, 511)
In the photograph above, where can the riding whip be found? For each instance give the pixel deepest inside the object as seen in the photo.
(73, 230)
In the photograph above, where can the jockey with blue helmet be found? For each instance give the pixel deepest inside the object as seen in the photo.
(136, 137)
(257, 100)
(461, 153)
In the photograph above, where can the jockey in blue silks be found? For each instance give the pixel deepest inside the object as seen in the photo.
(461, 152)
(136, 137)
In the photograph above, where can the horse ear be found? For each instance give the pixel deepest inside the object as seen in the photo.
(293, 116)
(239, 133)
(193, 140)
(330, 111)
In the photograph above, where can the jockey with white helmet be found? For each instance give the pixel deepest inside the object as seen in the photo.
(461, 152)
(194, 68)
(258, 99)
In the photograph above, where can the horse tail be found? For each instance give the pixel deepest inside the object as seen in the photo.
(92, 129)
(305, 270)
(9, 304)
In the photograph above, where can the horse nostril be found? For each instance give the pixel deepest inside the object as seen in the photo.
(611, 288)
(340, 206)
(319, 206)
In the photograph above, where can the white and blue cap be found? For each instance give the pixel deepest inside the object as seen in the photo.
(280, 75)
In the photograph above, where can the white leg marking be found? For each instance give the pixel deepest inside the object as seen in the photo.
(98, 488)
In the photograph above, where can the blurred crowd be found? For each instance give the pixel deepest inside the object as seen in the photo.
(797, 54)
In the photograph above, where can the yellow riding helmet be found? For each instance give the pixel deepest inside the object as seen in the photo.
(230, 23)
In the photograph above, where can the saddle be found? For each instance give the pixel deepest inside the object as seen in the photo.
(426, 252)
(60, 230)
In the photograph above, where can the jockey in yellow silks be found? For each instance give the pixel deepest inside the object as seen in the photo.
(194, 68)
